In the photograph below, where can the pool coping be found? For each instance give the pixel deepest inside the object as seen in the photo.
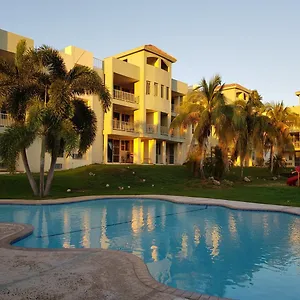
(20, 231)
(239, 205)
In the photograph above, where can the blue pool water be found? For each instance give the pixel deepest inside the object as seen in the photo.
(211, 250)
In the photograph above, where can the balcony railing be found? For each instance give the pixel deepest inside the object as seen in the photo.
(123, 126)
(164, 130)
(127, 97)
(98, 63)
(151, 128)
(5, 120)
(177, 135)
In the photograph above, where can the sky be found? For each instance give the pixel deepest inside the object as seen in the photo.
(251, 42)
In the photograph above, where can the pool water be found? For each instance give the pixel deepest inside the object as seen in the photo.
(206, 249)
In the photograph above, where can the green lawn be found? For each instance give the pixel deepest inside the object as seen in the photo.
(168, 180)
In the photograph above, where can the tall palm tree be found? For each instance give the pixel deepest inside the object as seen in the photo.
(282, 118)
(17, 86)
(250, 126)
(55, 113)
(203, 109)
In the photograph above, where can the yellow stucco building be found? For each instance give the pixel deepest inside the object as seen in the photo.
(144, 100)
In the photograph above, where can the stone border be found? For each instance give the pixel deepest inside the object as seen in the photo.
(19, 231)
(238, 205)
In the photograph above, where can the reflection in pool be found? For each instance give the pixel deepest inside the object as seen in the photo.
(211, 250)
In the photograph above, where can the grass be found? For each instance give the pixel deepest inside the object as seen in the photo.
(167, 180)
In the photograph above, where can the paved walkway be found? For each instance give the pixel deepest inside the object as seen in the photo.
(88, 273)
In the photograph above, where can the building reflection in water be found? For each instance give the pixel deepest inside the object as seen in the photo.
(184, 245)
(197, 235)
(137, 219)
(163, 216)
(154, 252)
(294, 237)
(266, 224)
(66, 226)
(232, 227)
(136, 226)
(151, 218)
(86, 230)
(212, 238)
(215, 241)
(104, 240)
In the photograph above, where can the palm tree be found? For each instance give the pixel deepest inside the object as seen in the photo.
(282, 118)
(250, 126)
(17, 86)
(55, 113)
(204, 109)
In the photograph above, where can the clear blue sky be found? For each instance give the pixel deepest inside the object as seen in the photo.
(255, 43)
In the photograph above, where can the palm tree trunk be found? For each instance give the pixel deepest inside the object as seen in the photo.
(242, 168)
(28, 172)
(272, 158)
(42, 165)
(50, 174)
(202, 175)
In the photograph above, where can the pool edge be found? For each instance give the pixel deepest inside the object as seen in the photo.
(239, 205)
(18, 231)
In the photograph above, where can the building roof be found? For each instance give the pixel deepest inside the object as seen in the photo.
(149, 48)
(236, 86)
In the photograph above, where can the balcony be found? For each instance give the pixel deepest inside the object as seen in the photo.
(127, 97)
(123, 126)
(5, 120)
(151, 128)
(164, 130)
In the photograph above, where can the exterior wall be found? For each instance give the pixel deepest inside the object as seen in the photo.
(9, 41)
(71, 55)
(150, 116)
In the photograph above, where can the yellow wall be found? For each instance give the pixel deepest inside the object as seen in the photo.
(9, 41)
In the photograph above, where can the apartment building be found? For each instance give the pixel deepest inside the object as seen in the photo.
(144, 100)
(145, 96)
(293, 158)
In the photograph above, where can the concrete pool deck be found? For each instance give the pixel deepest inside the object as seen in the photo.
(90, 273)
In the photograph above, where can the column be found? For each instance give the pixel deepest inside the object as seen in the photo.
(157, 121)
(152, 151)
(164, 152)
(137, 150)
(105, 148)
(179, 155)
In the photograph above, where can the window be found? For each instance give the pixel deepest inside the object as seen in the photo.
(161, 91)
(152, 61)
(147, 87)
(58, 166)
(155, 89)
(167, 92)
(164, 66)
(124, 145)
(125, 60)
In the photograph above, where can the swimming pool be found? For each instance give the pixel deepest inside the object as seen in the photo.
(205, 249)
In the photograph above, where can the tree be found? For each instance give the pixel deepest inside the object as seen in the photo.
(55, 112)
(250, 126)
(17, 86)
(281, 118)
(204, 109)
